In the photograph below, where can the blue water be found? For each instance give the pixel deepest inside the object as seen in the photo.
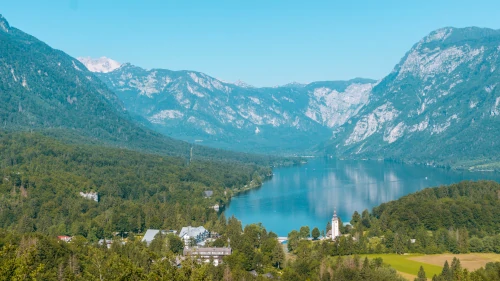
(308, 194)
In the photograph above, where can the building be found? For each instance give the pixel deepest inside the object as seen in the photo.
(335, 226)
(205, 254)
(208, 193)
(151, 233)
(106, 242)
(90, 195)
(64, 238)
(197, 234)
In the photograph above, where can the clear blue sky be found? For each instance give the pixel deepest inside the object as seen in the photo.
(262, 42)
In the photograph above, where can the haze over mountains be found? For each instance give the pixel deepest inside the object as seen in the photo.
(439, 105)
(193, 106)
(45, 90)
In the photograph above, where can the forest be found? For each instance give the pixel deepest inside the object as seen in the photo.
(41, 179)
(459, 218)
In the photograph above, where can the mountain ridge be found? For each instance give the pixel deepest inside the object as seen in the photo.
(192, 105)
(430, 108)
(45, 90)
(441, 93)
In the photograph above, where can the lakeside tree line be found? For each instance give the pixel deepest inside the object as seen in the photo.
(459, 218)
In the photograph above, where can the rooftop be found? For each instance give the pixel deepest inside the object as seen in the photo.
(191, 231)
(150, 235)
(210, 251)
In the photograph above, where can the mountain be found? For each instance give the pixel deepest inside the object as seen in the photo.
(102, 64)
(440, 105)
(193, 106)
(46, 90)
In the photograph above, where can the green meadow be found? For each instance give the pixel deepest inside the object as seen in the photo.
(405, 264)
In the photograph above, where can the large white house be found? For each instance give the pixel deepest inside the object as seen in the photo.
(197, 234)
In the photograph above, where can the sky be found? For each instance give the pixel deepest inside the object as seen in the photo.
(261, 42)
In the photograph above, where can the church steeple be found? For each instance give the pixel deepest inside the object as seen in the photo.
(335, 225)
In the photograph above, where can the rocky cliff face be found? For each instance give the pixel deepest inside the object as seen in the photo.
(196, 107)
(439, 105)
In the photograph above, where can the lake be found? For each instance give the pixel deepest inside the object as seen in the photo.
(308, 194)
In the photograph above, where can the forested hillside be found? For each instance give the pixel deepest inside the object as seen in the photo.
(41, 179)
(458, 218)
(47, 91)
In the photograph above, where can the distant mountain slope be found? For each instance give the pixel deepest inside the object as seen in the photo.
(194, 106)
(440, 105)
(46, 90)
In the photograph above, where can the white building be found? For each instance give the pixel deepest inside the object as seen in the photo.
(90, 195)
(335, 226)
(205, 254)
(198, 234)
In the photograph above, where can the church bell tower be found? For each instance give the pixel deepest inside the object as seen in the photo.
(335, 225)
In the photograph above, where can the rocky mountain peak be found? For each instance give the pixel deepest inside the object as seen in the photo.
(242, 84)
(446, 50)
(4, 24)
(438, 35)
(102, 64)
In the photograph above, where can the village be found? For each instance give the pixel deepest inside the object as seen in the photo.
(197, 241)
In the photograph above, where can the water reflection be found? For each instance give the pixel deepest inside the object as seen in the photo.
(308, 194)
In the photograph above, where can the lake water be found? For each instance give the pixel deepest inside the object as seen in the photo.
(308, 194)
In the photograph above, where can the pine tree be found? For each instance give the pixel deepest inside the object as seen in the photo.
(446, 273)
(365, 270)
(278, 255)
(421, 275)
(456, 270)
(315, 233)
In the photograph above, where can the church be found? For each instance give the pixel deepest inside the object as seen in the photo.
(335, 231)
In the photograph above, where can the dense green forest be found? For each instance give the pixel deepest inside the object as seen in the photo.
(459, 218)
(47, 91)
(41, 179)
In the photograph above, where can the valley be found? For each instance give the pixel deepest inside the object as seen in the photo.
(428, 110)
(111, 171)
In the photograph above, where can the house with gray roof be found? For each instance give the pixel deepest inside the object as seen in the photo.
(151, 233)
(208, 193)
(198, 234)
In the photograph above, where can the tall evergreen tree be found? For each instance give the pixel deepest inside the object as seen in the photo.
(421, 275)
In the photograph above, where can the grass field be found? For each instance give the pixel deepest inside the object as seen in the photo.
(408, 265)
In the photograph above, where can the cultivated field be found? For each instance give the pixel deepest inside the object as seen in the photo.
(469, 261)
(408, 265)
